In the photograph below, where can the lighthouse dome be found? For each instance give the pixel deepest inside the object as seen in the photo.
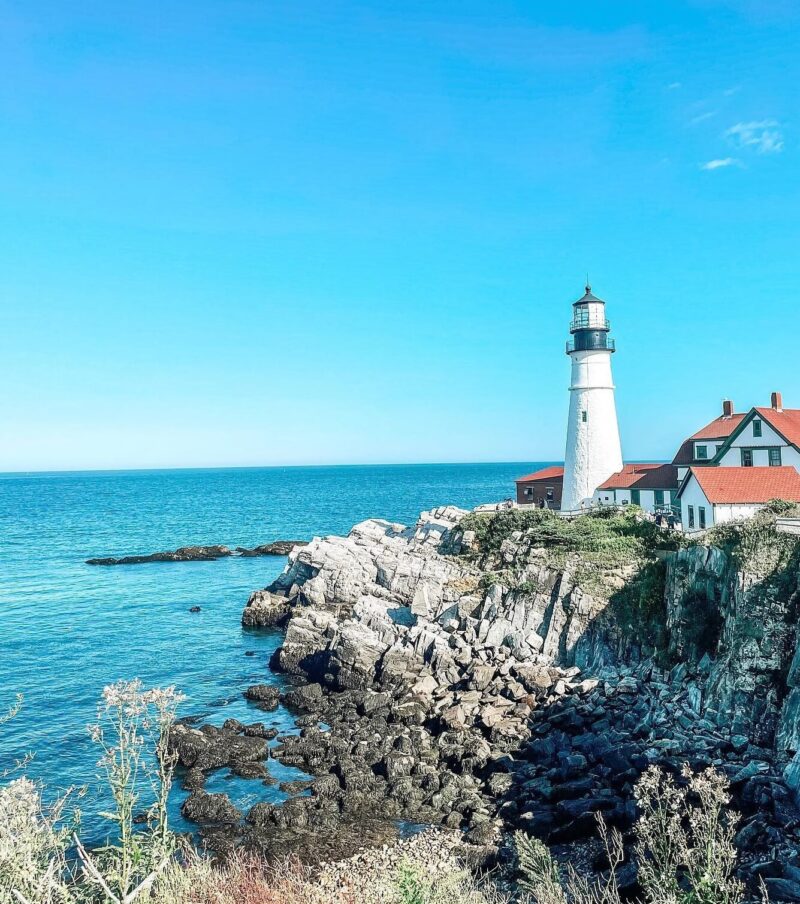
(588, 298)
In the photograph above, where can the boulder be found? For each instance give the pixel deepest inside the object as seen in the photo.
(206, 809)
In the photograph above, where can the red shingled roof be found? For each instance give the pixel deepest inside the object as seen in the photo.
(552, 473)
(748, 485)
(720, 428)
(643, 476)
(786, 422)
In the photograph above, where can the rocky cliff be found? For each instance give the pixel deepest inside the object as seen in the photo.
(500, 670)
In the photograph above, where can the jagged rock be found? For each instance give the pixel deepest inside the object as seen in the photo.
(205, 808)
(309, 696)
(211, 748)
(267, 696)
(265, 609)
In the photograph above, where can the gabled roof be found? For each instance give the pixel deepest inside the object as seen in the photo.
(643, 476)
(731, 486)
(552, 473)
(785, 421)
(720, 428)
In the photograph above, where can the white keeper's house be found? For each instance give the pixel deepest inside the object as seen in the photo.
(737, 463)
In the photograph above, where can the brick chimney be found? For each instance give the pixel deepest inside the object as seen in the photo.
(727, 408)
(776, 402)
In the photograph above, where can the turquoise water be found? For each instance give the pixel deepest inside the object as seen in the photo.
(67, 629)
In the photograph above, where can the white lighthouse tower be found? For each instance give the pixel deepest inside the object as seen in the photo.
(593, 450)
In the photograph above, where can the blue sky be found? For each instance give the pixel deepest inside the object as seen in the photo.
(237, 233)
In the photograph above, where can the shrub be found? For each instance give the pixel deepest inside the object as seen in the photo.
(132, 729)
(684, 849)
(32, 863)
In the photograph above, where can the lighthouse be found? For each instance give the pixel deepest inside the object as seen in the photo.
(593, 450)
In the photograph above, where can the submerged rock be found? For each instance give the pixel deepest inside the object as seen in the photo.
(183, 554)
(201, 553)
(276, 548)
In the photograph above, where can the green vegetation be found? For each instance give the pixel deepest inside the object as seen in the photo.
(611, 537)
(594, 546)
(132, 732)
(754, 544)
(684, 849)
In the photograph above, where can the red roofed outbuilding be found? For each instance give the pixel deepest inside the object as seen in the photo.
(542, 488)
(651, 485)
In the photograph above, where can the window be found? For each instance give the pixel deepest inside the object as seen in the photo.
(636, 497)
(584, 416)
(701, 516)
(756, 428)
(549, 493)
(659, 494)
(747, 458)
(690, 513)
(775, 457)
(701, 452)
(529, 491)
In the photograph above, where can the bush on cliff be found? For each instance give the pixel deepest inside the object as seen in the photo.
(595, 547)
(615, 536)
(755, 545)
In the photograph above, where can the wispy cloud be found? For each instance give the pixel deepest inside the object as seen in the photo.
(729, 92)
(674, 86)
(720, 163)
(702, 117)
(764, 136)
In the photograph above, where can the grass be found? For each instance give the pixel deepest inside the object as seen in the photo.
(595, 547)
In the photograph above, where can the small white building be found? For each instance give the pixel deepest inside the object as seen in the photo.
(651, 485)
(710, 496)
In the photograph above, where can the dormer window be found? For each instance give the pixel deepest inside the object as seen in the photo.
(701, 453)
(756, 428)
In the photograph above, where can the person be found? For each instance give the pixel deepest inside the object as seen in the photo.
(659, 518)
(671, 521)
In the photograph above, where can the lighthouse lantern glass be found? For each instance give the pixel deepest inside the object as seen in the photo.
(591, 315)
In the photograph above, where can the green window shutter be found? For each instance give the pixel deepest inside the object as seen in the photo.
(636, 497)
(659, 497)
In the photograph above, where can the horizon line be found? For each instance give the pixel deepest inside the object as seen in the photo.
(386, 464)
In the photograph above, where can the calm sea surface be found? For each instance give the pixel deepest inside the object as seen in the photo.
(67, 629)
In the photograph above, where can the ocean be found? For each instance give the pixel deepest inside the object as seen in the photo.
(67, 629)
